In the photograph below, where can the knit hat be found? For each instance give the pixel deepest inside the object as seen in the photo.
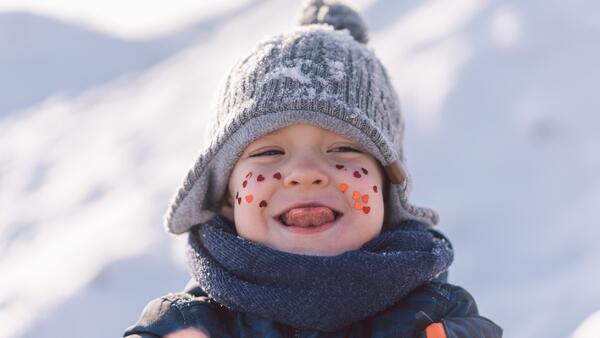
(322, 73)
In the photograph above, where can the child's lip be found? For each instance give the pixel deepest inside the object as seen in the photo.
(308, 229)
(311, 229)
(307, 205)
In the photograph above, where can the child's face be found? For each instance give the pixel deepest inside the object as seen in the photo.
(327, 187)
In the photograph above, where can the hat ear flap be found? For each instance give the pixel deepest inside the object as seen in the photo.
(397, 206)
(397, 174)
(226, 206)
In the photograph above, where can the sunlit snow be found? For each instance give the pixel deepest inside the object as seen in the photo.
(98, 128)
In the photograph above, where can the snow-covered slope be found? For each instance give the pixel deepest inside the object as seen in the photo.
(501, 108)
(43, 55)
(502, 135)
(590, 328)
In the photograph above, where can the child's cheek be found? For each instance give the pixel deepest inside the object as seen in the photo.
(252, 190)
(359, 186)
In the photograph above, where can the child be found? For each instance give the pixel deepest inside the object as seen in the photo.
(297, 211)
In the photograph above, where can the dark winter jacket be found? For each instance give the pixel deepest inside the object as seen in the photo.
(434, 302)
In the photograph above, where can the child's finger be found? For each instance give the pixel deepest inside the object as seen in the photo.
(188, 333)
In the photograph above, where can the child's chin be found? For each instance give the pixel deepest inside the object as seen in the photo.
(314, 251)
(324, 247)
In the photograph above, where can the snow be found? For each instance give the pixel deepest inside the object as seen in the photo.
(336, 69)
(123, 19)
(589, 328)
(294, 73)
(500, 101)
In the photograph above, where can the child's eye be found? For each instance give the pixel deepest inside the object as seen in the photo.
(345, 149)
(270, 152)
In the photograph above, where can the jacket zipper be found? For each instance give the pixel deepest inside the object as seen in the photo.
(294, 333)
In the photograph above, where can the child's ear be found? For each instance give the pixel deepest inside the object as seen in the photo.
(226, 208)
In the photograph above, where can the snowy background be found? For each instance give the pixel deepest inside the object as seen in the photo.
(103, 105)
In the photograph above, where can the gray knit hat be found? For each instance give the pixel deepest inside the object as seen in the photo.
(322, 73)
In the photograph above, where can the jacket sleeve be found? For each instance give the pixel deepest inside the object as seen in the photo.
(461, 318)
(174, 312)
(159, 318)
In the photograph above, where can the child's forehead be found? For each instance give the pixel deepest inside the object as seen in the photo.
(302, 133)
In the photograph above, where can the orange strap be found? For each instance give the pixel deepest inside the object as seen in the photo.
(435, 330)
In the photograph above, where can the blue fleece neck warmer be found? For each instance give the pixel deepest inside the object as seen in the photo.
(324, 293)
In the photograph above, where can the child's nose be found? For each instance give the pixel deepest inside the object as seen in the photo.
(306, 175)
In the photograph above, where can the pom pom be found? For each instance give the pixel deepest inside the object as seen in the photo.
(336, 14)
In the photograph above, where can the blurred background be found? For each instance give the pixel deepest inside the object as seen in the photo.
(103, 107)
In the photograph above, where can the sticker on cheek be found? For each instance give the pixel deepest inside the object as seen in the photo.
(245, 183)
(249, 198)
(343, 187)
(339, 166)
(375, 188)
(239, 200)
(365, 171)
(263, 204)
(357, 197)
(249, 174)
(277, 176)
(260, 178)
(357, 174)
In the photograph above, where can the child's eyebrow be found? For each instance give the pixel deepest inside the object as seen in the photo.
(268, 138)
(265, 143)
(262, 144)
(340, 140)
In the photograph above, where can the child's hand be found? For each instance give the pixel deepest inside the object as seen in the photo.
(188, 333)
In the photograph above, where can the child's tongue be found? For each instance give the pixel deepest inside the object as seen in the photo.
(309, 216)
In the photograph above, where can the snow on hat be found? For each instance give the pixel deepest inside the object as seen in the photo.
(323, 74)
